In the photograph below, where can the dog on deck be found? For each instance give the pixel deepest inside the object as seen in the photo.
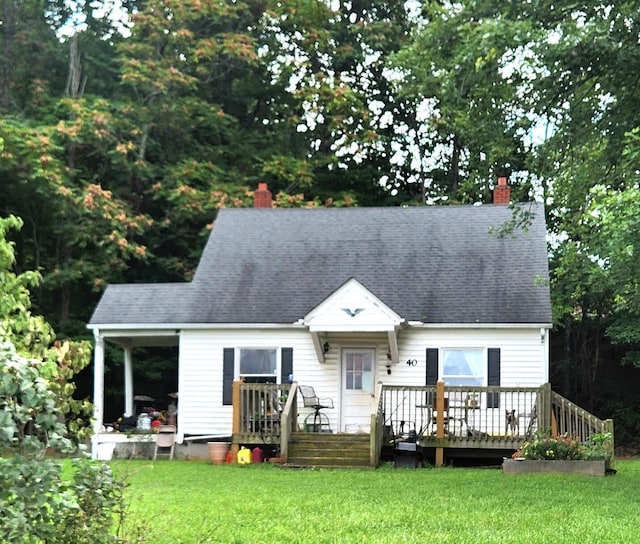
(511, 423)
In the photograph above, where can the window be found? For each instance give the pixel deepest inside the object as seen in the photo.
(258, 365)
(463, 366)
(358, 370)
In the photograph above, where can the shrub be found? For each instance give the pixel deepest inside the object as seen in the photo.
(36, 503)
(39, 505)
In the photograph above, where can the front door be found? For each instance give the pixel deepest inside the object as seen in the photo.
(357, 389)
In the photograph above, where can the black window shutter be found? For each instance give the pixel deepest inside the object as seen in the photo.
(432, 366)
(228, 355)
(493, 376)
(432, 372)
(286, 364)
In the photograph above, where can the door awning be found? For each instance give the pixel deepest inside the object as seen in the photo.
(353, 308)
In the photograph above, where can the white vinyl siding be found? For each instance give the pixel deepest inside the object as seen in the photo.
(200, 410)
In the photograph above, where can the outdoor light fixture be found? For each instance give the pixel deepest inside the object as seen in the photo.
(325, 347)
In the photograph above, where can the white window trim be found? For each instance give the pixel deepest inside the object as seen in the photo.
(238, 357)
(484, 362)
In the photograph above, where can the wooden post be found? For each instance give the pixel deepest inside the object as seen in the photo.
(608, 425)
(544, 421)
(373, 441)
(236, 425)
(288, 419)
(440, 421)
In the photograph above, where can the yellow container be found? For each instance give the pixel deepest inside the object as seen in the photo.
(244, 456)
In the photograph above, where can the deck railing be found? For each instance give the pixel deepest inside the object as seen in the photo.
(469, 414)
(258, 408)
(434, 416)
(479, 417)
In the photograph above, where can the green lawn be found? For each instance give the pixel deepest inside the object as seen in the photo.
(195, 502)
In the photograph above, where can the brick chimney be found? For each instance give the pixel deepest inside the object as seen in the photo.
(262, 196)
(502, 192)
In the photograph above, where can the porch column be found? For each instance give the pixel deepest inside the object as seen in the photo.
(128, 381)
(98, 390)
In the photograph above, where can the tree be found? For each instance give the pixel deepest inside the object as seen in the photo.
(58, 155)
(473, 119)
(545, 92)
(78, 233)
(32, 68)
(617, 218)
(39, 415)
(341, 102)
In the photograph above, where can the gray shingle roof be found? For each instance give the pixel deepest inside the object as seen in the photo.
(438, 264)
(141, 303)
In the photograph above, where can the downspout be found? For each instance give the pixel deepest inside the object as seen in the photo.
(544, 341)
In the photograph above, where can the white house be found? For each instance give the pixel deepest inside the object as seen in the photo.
(341, 299)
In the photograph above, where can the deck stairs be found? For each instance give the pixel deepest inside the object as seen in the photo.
(329, 450)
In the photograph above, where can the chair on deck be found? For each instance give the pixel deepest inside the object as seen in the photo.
(311, 400)
(166, 439)
(271, 422)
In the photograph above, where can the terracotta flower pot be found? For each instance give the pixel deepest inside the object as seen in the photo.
(218, 452)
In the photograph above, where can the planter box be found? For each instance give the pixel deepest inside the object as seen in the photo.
(530, 466)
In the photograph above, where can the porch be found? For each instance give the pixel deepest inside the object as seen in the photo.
(436, 423)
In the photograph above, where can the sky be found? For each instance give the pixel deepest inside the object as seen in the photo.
(112, 8)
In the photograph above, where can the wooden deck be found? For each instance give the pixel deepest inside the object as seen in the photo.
(438, 421)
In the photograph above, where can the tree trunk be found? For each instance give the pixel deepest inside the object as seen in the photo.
(454, 171)
(8, 35)
(65, 305)
(74, 90)
(75, 82)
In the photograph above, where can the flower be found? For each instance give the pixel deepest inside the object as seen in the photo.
(545, 446)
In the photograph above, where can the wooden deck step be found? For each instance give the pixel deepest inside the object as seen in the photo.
(329, 450)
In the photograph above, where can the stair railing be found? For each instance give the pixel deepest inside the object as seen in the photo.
(569, 419)
(288, 421)
(377, 427)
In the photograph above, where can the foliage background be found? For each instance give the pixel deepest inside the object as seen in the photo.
(126, 129)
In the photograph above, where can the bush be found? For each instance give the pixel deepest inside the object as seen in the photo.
(38, 505)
